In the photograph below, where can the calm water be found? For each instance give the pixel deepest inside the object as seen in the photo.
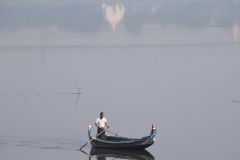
(173, 64)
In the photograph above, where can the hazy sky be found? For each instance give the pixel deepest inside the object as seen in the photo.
(82, 23)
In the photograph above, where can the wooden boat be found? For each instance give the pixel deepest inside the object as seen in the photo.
(98, 153)
(116, 142)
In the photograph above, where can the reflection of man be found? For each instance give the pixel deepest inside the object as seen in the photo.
(100, 123)
(101, 158)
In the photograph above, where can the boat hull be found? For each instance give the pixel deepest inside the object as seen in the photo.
(115, 142)
(134, 144)
(131, 147)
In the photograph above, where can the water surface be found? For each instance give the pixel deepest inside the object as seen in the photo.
(164, 62)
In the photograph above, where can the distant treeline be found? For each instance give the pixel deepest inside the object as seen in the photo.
(88, 17)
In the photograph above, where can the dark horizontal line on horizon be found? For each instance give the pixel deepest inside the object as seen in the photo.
(103, 46)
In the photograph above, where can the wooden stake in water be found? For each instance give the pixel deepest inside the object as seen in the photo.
(78, 94)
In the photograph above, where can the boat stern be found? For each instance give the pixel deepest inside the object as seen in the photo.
(89, 129)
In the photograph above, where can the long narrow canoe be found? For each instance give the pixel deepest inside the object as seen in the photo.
(115, 142)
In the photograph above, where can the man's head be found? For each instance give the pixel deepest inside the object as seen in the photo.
(101, 115)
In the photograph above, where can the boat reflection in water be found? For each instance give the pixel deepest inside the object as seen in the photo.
(103, 154)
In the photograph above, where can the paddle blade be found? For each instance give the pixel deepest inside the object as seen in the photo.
(83, 146)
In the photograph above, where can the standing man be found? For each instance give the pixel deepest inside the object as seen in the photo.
(100, 123)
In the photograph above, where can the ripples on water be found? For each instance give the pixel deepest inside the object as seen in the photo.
(41, 143)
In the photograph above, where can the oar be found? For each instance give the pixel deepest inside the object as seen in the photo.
(114, 133)
(91, 139)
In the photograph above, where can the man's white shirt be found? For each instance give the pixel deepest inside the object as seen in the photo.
(101, 122)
